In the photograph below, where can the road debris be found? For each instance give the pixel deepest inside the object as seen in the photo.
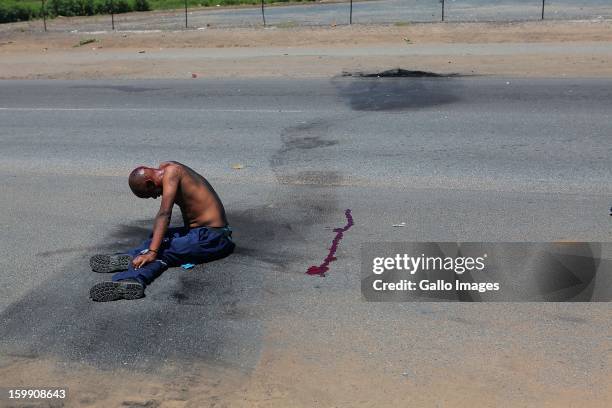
(85, 42)
(238, 166)
(408, 373)
(401, 224)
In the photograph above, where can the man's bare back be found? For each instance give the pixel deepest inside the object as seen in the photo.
(176, 184)
(199, 203)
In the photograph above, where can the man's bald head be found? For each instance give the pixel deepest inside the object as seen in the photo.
(142, 182)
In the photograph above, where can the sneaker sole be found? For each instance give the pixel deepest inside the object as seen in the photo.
(109, 291)
(109, 263)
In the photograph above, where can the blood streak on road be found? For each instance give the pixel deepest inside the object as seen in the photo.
(324, 267)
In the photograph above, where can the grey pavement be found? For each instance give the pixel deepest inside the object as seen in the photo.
(499, 159)
(364, 12)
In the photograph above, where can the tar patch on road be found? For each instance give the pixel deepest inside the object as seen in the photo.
(300, 144)
(398, 91)
(399, 73)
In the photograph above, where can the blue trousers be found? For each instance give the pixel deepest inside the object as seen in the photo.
(181, 246)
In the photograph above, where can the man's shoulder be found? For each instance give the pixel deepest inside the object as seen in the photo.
(172, 169)
(171, 163)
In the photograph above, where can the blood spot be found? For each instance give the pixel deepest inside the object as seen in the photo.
(324, 267)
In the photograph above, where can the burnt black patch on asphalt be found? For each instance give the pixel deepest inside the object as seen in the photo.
(120, 238)
(396, 94)
(300, 142)
(133, 232)
(273, 234)
(312, 142)
(304, 136)
(185, 316)
(399, 73)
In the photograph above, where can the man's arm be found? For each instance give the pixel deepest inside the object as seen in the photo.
(170, 184)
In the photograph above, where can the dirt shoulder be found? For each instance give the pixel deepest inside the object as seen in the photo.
(548, 49)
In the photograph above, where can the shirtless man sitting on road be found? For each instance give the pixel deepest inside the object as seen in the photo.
(205, 236)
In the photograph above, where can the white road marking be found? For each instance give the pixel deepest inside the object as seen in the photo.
(151, 110)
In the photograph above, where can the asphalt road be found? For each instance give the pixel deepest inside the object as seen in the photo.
(497, 159)
(364, 12)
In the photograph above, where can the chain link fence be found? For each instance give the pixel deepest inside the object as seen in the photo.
(398, 12)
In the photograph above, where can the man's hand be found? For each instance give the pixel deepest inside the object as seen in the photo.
(142, 260)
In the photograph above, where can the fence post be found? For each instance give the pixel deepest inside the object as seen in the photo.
(263, 14)
(185, 13)
(543, 9)
(351, 13)
(112, 10)
(44, 13)
(442, 10)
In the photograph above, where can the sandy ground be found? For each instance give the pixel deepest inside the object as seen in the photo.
(511, 372)
(532, 49)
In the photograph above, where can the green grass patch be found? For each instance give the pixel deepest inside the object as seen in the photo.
(178, 4)
(23, 10)
(16, 10)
